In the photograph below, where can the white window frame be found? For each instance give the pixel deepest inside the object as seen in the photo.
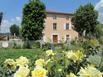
(66, 25)
(53, 26)
(70, 25)
(69, 36)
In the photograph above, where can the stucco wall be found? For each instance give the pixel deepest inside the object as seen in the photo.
(61, 32)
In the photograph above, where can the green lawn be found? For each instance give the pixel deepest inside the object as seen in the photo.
(31, 54)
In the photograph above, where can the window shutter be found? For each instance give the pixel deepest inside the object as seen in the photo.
(64, 26)
(70, 25)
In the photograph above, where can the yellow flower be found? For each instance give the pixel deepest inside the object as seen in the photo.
(10, 63)
(22, 61)
(90, 71)
(39, 72)
(71, 75)
(79, 55)
(39, 62)
(22, 72)
(84, 73)
(94, 42)
(49, 53)
(71, 55)
(59, 70)
(75, 56)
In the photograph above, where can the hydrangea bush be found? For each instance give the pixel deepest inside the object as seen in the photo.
(51, 64)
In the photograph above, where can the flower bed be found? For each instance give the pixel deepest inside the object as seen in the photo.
(51, 64)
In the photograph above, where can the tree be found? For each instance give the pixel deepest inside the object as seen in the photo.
(99, 33)
(99, 30)
(14, 29)
(33, 19)
(85, 19)
(1, 16)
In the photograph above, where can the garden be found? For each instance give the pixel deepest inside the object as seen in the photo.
(81, 59)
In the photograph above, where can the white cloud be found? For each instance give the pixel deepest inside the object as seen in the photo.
(99, 8)
(5, 25)
(18, 19)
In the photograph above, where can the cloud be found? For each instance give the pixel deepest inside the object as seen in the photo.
(18, 19)
(5, 25)
(99, 8)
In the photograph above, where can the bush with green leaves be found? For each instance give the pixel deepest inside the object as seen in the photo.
(36, 45)
(96, 60)
(91, 46)
(27, 44)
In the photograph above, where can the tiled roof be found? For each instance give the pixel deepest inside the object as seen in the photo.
(55, 12)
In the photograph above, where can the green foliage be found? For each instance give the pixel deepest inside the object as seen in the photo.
(58, 66)
(1, 16)
(14, 29)
(95, 60)
(75, 47)
(33, 20)
(93, 42)
(15, 53)
(17, 46)
(90, 46)
(36, 45)
(27, 45)
(99, 32)
(57, 63)
(85, 19)
(76, 44)
(46, 46)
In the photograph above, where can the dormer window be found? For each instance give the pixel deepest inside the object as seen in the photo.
(54, 17)
(67, 17)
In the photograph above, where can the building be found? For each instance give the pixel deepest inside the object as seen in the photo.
(58, 27)
(4, 36)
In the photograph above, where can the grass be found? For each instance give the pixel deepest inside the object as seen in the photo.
(31, 54)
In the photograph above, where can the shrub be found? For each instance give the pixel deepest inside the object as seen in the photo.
(51, 64)
(27, 44)
(36, 45)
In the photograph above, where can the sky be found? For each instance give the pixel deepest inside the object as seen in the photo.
(12, 9)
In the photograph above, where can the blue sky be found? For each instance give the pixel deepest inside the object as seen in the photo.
(12, 9)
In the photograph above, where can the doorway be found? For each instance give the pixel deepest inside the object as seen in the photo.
(55, 39)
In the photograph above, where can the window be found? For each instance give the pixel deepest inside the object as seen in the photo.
(67, 26)
(54, 26)
(67, 17)
(67, 38)
(54, 17)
